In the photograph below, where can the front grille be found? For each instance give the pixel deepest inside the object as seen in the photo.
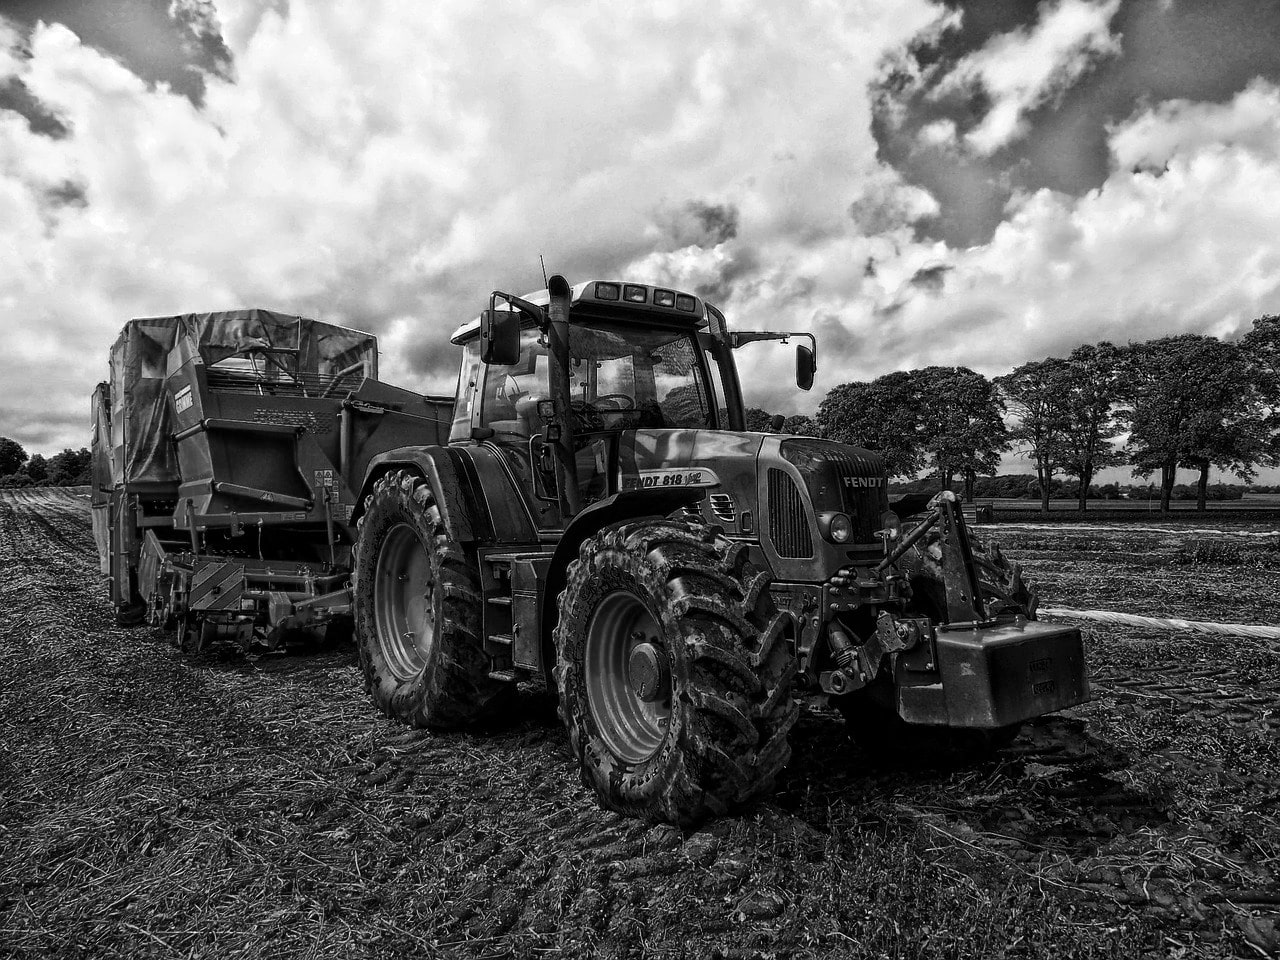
(788, 523)
(864, 504)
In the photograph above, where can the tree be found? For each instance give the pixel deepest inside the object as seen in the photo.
(758, 420)
(1194, 403)
(69, 467)
(798, 425)
(38, 468)
(1261, 347)
(962, 424)
(1036, 394)
(884, 415)
(1093, 382)
(12, 456)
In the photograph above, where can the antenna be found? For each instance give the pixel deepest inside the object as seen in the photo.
(544, 269)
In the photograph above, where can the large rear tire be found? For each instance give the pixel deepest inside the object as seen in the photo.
(417, 611)
(674, 672)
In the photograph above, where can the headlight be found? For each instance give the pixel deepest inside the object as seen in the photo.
(839, 528)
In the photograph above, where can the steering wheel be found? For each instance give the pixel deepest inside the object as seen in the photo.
(626, 403)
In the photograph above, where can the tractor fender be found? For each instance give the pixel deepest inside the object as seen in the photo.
(441, 467)
(622, 506)
(477, 499)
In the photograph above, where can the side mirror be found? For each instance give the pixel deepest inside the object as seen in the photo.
(806, 366)
(500, 337)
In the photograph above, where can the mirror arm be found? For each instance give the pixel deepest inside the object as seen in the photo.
(737, 339)
(531, 310)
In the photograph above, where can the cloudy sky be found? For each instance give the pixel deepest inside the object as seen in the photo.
(915, 182)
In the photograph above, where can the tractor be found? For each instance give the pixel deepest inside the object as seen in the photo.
(589, 512)
(601, 520)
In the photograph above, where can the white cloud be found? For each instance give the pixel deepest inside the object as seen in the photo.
(1189, 246)
(939, 133)
(1025, 68)
(388, 164)
(1150, 139)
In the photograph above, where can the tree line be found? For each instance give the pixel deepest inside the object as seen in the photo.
(66, 469)
(1186, 402)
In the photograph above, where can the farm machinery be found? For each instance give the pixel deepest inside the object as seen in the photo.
(589, 512)
(223, 451)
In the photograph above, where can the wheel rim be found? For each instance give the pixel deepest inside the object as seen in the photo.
(403, 625)
(632, 726)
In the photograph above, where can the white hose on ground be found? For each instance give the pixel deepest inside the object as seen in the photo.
(1089, 527)
(1256, 631)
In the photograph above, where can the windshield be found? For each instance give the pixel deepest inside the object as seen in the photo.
(621, 378)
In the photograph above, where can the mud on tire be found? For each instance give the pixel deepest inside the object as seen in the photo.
(725, 689)
(417, 611)
(1003, 588)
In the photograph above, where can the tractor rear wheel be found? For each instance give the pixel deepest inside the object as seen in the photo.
(674, 672)
(417, 611)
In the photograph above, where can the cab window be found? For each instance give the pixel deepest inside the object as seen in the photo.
(621, 378)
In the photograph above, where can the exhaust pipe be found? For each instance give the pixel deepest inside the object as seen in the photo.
(560, 371)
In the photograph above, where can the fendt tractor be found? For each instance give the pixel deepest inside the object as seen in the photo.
(589, 512)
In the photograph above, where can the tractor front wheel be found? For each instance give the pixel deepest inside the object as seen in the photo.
(417, 611)
(674, 672)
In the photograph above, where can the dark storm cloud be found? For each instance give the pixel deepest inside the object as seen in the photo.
(44, 432)
(931, 278)
(15, 96)
(67, 194)
(1187, 50)
(698, 223)
(743, 262)
(174, 42)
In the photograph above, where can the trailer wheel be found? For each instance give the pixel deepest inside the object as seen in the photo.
(674, 672)
(417, 611)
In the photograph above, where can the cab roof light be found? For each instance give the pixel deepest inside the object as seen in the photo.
(686, 302)
(634, 294)
(664, 298)
(607, 291)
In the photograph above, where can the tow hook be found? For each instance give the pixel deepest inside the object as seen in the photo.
(849, 674)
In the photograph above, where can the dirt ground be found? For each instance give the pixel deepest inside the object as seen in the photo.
(232, 806)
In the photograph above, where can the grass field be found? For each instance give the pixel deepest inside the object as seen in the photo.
(233, 806)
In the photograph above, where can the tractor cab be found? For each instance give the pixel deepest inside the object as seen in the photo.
(634, 358)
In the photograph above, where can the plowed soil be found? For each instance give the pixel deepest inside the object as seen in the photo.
(152, 804)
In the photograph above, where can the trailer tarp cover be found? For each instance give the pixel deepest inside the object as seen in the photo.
(140, 414)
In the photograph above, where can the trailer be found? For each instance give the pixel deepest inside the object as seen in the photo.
(227, 452)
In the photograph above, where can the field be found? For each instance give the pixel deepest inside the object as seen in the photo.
(240, 806)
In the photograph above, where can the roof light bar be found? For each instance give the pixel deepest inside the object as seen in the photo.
(664, 298)
(634, 294)
(607, 291)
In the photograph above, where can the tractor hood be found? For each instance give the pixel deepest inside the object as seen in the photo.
(782, 489)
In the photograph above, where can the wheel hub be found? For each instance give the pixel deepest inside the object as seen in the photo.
(627, 676)
(402, 614)
(648, 671)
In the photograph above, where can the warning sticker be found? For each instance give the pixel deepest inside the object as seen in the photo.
(182, 399)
